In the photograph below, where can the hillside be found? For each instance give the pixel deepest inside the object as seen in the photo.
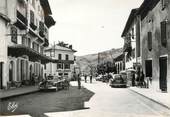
(92, 59)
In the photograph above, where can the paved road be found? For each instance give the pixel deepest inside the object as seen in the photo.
(114, 102)
(106, 102)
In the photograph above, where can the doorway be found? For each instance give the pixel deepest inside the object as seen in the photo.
(11, 69)
(163, 73)
(1, 75)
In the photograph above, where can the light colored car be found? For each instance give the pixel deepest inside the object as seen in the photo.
(51, 83)
(117, 81)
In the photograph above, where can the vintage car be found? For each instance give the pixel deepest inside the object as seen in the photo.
(117, 81)
(51, 83)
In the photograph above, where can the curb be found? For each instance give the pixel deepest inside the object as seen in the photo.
(150, 99)
(20, 94)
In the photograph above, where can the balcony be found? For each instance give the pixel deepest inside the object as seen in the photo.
(21, 22)
(33, 26)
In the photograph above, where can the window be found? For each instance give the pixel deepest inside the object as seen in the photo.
(29, 42)
(163, 34)
(35, 46)
(59, 57)
(14, 34)
(67, 57)
(150, 41)
(164, 3)
(32, 17)
(41, 50)
(26, 41)
(59, 66)
(148, 68)
(66, 66)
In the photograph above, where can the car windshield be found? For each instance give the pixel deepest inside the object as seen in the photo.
(50, 77)
(117, 76)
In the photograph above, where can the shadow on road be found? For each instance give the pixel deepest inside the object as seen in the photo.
(37, 104)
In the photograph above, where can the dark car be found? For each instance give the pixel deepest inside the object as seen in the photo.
(117, 81)
(51, 83)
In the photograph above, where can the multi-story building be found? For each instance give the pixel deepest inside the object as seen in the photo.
(119, 63)
(63, 60)
(25, 37)
(155, 44)
(131, 36)
(4, 21)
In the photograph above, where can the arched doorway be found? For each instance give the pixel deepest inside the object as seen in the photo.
(11, 69)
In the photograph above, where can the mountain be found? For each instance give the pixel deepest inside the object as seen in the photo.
(84, 62)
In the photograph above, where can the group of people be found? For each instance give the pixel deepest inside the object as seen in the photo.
(138, 79)
(78, 77)
(85, 78)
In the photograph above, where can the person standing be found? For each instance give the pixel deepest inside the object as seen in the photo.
(85, 78)
(79, 81)
(90, 78)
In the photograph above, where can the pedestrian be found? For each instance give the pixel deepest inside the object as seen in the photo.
(133, 79)
(79, 81)
(85, 78)
(90, 78)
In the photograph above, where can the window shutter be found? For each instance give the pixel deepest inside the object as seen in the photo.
(163, 34)
(150, 41)
(13, 34)
(32, 17)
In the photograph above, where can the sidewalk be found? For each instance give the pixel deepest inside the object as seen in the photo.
(161, 98)
(18, 91)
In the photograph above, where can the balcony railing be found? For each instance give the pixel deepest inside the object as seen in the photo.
(21, 21)
(46, 43)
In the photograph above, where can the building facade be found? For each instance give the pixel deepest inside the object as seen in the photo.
(63, 61)
(25, 37)
(131, 36)
(155, 44)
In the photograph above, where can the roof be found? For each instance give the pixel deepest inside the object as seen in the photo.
(57, 47)
(129, 21)
(119, 58)
(46, 6)
(146, 6)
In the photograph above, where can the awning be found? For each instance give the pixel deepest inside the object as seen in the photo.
(20, 50)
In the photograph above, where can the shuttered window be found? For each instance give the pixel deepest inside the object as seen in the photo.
(163, 34)
(59, 56)
(149, 41)
(13, 34)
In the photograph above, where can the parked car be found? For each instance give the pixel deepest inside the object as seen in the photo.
(51, 83)
(117, 81)
(98, 78)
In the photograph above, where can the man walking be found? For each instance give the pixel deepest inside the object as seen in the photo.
(85, 78)
(90, 78)
(79, 81)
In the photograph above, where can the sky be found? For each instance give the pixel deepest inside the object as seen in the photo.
(91, 26)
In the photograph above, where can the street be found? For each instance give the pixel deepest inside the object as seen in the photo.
(106, 102)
